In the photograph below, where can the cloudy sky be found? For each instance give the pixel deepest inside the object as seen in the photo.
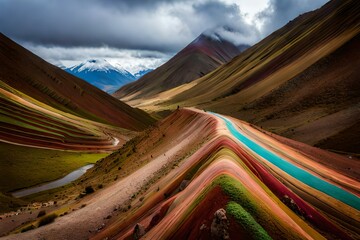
(137, 34)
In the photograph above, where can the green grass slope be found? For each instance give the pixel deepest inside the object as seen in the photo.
(23, 167)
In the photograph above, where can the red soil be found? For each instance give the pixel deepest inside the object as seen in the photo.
(198, 224)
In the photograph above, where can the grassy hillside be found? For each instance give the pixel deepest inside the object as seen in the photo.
(23, 167)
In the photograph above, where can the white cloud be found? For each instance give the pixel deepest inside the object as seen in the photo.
(131, 60)
(249, 8)
(234, 35)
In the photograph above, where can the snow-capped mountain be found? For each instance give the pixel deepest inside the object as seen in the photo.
(102, 74)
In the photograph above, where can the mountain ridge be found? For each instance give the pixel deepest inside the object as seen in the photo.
(314, 46)
(31, 75)
(198, 58)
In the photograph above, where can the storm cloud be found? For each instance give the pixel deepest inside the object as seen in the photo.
(55, 29)
(87, 23)
(159, 25)
(279, 12)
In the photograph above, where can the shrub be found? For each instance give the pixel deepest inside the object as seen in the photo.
(47, 219)
(246, 220)
(28, 228)
(41, 213)
(89, 189)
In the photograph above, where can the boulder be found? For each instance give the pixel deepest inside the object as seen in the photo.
(220, 225)
(139, 231)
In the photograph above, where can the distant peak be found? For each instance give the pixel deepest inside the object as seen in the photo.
(98, 65)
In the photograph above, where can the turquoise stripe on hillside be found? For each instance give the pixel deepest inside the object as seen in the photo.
(296, 172)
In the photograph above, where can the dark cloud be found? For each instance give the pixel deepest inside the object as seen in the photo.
(228, 21)
(89, 23)
(137, 3)
(133, 24)
(75, 29)
(147, 54)
(213, 15)
(279, 12)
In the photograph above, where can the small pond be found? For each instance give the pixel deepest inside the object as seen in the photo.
(54, 184)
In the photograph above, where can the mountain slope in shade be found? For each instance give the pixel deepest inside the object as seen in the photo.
(102, 74)
(29, 74)
(300, 82)
(223, 176)
(200, 57)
